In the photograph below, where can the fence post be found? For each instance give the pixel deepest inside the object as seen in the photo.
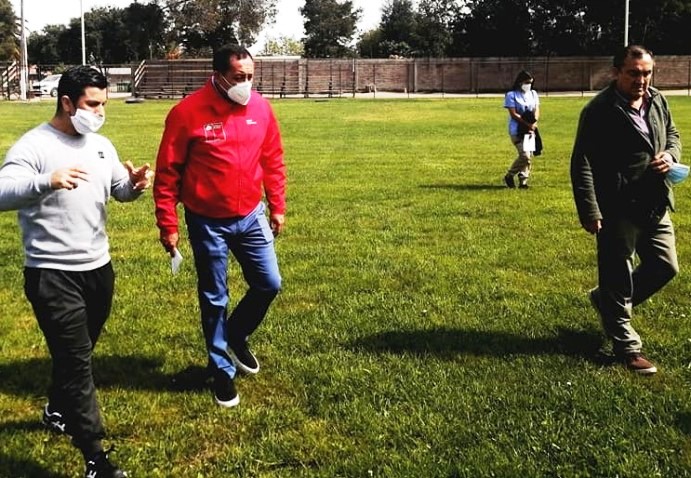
(331, 77)
(442, 78)
(133, 71)
(340, 79)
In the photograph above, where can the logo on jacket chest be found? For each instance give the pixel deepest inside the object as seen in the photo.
(214, 132)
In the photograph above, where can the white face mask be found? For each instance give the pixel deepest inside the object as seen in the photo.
(526, 87)
(86, 122)
(240, 92)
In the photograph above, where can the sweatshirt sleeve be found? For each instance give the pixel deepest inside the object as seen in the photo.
(121, 187)
(273, 164)
(673, 145)
(170, 162)
(21, 181)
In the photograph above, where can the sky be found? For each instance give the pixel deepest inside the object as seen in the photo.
(39, 13)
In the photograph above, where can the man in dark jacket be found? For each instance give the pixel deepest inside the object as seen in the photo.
(625, 145)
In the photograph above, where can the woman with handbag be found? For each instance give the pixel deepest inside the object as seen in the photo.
(523, 105)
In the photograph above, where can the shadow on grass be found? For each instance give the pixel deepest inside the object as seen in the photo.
(449, 343)
(23, 426)
(31, 377)
(465, 187)
(684, 422)
(11, 466)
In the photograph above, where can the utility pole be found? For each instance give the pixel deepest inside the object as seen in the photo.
(23, 62)
(626, 23)
(81, 6)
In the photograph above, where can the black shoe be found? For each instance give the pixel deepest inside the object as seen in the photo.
(100, 467)
(243, 358)
(508, 180)
(54, 421)
(224, 390)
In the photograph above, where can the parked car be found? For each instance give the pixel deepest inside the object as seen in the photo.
(49, 85)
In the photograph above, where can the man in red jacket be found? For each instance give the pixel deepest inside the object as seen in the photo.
(220, 152)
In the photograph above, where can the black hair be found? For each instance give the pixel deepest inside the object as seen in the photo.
(631, 51)
(222, 56)
(75, 80)
(522, 77)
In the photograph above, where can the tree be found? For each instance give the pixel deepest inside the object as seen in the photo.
(433, 35)
(113, 35)
(43, 48)
(560, 27)
(369, 44)
(69, 43)
(282, 46)
(399, 25)
(662, 26)
(329, 28)
(201, 25)
(499, 28)
(9, 46)
(570, 27)
(108, 40)
(459, 33)
(146, 27)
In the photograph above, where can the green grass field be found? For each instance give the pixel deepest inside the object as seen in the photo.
(432, 324)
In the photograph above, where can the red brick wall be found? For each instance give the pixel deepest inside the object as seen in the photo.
(299, 76)
(457, 75)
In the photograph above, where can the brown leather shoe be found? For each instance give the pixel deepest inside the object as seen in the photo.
(636, 362)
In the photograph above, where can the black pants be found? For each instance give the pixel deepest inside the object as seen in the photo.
(71, 308)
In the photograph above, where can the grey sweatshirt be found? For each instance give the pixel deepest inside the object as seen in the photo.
(63, 229)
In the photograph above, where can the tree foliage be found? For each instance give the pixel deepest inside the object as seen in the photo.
(531, 27)
(149, 30)
(9, 44)
(399, 24)
(407, 28)
(282, 46)
(43, 46)
(369, 45)
(394, 36)
(329, 28)
(432, 35)
(145, 25)
(202, 25)
(112, 35)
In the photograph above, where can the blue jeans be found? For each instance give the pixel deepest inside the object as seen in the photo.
(251, 241)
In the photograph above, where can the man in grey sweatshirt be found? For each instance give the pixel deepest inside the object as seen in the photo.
(59, 176)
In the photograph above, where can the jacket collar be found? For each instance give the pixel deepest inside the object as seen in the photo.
(215, 100)
(615, 97)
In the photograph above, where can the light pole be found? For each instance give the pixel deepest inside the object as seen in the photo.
(81, 6)
(626, 23)
(23, 62)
